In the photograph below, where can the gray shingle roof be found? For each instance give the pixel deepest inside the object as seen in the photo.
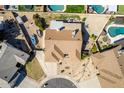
(8, 61)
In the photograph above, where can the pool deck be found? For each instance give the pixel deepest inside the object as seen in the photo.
(96, 24)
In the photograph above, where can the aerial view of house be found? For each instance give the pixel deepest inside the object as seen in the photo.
(61, 46)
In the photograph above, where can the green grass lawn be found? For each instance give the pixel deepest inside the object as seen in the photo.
(75, 9)
(34, 70)
(22, 8)
(121, 8)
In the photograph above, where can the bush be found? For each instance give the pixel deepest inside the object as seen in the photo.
(84, 19)
(94, 49)
(93, 36)
(104, 39)
(84, 55)
(40, 22)
(107, 46)
(104, 46)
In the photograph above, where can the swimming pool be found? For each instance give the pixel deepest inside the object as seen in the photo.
(115, 31)
(98, 8)
(56, 8)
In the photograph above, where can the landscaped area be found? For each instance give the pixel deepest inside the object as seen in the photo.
(34, 70)
(65, 17)
(26, 8)
(94, 49)
(120, 8)
(93, 36)
(58, 16)
(84, 55)
(39, 22)
(75, 9)
(104, 42)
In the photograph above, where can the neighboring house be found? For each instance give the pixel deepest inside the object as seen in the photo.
(110, 66)
(11, 61)
(64, 45)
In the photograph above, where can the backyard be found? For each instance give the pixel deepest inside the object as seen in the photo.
(26, 8)
(34, 70)
(75, 9)
(120, 8)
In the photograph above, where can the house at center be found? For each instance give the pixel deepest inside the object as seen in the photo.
(63, 41)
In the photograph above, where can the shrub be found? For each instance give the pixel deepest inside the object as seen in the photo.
(84, 19)
(104, 39)
(40, 22)
(93, 36)
(104, 46)
(94, 49)
(84, 55)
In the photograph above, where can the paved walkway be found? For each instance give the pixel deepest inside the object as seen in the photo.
(91, 83)
(4, 84)
(28, 83)
(40, 58)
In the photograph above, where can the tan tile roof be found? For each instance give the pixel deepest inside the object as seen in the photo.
(62, 35)
(67, 47)
(64, 41)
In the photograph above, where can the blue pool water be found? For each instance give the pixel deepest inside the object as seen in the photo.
(56, 7)
(114, 31)
(98, 8)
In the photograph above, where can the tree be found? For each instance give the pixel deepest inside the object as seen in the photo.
(40, 22)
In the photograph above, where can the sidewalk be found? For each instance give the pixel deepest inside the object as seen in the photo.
(28, 83)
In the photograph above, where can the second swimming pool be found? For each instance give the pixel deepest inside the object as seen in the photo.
(98, 8)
